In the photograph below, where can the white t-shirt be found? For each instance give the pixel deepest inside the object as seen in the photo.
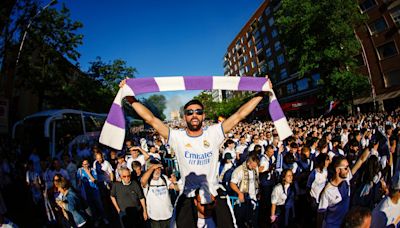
(205, 223)
(198, 158)
(278, 196)
(240, 148)
(386, 213)
(237, 177)
(107, 170)
(317, 181)
(139, 158)
(265, 161)
(158, 201)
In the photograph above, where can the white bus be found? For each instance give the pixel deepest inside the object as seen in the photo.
(53, 131)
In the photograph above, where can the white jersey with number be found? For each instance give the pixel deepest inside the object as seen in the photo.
(198, 158)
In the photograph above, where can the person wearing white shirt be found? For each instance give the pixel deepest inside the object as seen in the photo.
(387, 212)
(230, 148)
(156, 191)
(282, 200)
(256, 141)
(245, 183)
(136, 156)
(335, 198)
(104, 170)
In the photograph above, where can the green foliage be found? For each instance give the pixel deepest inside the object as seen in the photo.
(51, 40)
(225, 108)
(319, 37)
(159, 102)
(111, 73)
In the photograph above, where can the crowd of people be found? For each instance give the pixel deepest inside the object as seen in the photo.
(332, 172)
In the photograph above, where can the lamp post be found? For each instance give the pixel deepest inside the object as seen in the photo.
(27, 28)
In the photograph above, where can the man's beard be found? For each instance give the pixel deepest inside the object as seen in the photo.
(194, 128)
(343, 176)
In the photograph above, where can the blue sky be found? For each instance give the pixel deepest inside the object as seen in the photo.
(161, 37)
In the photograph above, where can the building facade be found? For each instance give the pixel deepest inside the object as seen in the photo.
(380, 59)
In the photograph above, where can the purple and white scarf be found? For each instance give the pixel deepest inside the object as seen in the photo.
(113, 132)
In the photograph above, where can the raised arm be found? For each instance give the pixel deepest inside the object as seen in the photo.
(243, 111)
(240, 114)
(360, 161)
(147, 115)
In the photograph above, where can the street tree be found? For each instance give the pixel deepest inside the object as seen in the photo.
(159, 102)
(319, 37)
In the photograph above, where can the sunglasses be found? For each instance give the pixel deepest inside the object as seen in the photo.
(190, 112)
(126, 176)
(344, 167)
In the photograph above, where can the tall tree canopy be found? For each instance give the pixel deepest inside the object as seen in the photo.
(319, 36)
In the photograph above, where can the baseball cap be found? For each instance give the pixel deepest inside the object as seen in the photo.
(228, 156)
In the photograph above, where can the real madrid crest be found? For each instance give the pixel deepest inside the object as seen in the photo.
(206, 144)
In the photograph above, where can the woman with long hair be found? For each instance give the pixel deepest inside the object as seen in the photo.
(282, 200)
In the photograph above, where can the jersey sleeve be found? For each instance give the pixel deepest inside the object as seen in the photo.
(217, 133)
(275, 195)
(311, 178)
(324, 201)
(237, 176)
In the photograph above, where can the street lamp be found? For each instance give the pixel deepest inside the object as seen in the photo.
(27, 28)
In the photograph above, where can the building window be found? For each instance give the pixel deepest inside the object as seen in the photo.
(367, 4)
(266, 40)
(274, 33)
(251, 53)
(260, 57)
(281, 59)
(392, 78)
(271, 21)
(245, 58)
(267, 11)
(387, 50)
(268, 52)
(253, 64)
(241, 71)
(315, 79)
(256, 35)
(290, 88)
(395, 13)
(246, 69)
(250, 43)
(263, 69)
(263, 29)
(271, 64)
(277, 46)
(378, 26)
(283, 73)
(241, 62)
(259, 46)
(302, 84)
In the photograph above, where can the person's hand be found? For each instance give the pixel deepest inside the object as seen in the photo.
(281, 148)
(122, 83)
(173, 178)
(273, 218)
(269, 81)
(156, 166)
(241, 197)
(145, 217)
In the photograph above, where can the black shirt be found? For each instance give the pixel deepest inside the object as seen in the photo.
(127, 195)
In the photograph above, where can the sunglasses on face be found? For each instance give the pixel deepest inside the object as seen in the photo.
(344, 167)
(190, 112)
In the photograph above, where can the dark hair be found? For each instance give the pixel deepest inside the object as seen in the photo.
(320, 160)
(355, 217)
(372, 168)
(136, 164)
(257, 149)
(284, 172)
(334, 164)
(253, 157)
(62, 183)
(191, 102)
